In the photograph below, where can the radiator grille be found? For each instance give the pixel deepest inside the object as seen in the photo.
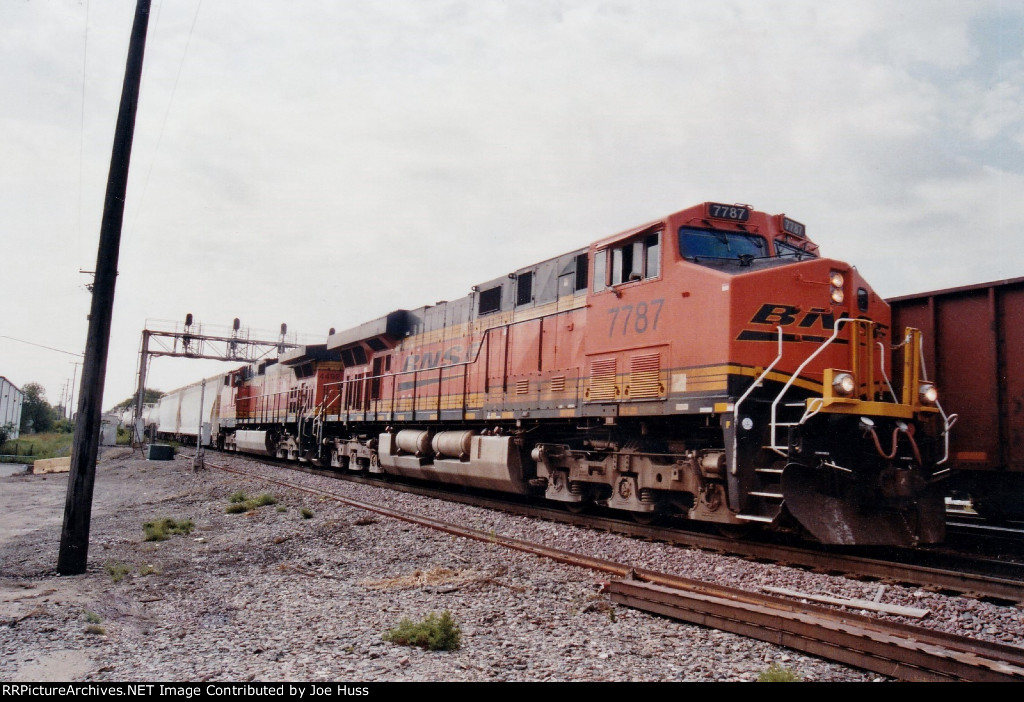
(644, 376)
(558, 383)
(602, 380)
(522, 387)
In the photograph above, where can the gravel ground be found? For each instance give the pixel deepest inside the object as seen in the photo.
(269, 595)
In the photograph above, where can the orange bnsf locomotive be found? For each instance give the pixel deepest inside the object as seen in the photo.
(710, 364)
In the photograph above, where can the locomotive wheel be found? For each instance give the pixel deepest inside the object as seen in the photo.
(734, 531)
(646, 518)
(577, 507)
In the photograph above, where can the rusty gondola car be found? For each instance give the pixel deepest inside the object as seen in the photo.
(975, 349)
(709, 364)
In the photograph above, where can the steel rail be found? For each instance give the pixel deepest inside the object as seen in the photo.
(1008, 587)
(898, 650)
(977, 585)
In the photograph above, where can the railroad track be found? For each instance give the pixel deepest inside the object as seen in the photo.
(1002, 535)
(963, 520)
(898, 650)
(992, 579)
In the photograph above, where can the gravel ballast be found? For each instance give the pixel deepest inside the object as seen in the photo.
(305, 589)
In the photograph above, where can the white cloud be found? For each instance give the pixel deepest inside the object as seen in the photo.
(322, 163)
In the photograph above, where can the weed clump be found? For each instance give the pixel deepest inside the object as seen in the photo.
(116, 570)
(163, 529)
(433, 633)
(240, 502)
(778, 673)
(306, 513)
(94, 624)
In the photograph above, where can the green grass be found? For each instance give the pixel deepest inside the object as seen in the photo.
(240, 502)
(433, 633)
(778, 673)
(124, 436)
(163, 529)
(306, 513)
(116, 570)
(38, 446)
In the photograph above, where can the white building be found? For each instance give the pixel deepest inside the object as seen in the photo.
(11, 399)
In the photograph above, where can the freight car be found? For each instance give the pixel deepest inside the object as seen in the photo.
(709, 364)
(975, 350)
(179, 414)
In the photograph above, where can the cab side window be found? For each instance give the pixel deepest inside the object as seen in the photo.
(652, 257)
(601, 270)
(638, 259)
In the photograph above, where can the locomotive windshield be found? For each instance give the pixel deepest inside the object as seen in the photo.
(710, 244)
(782, 249)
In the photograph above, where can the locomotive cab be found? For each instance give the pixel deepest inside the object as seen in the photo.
(743, 379)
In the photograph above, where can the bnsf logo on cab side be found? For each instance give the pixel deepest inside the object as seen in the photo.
(775, 315)
(785, 315)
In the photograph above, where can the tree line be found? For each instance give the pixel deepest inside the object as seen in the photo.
(39, 416)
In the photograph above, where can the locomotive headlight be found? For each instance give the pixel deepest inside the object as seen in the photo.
(843, 384)
(836, 280)
(928, 394)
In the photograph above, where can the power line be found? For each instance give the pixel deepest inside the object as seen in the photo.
(31, 343)
(167, 112)
(81, 130)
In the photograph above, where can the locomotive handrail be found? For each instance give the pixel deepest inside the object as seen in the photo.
(792, 378)
(318, 425)
(947, 421)
(814, 406)
(881, 368)
(485, 337)
(736, 405)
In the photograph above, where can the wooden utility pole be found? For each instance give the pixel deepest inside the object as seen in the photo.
(74, 538)
(71, 398)
(140, 397)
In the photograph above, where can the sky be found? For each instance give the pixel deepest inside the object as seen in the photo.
(321, 163)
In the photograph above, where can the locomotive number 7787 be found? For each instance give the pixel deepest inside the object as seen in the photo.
(643, 315)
